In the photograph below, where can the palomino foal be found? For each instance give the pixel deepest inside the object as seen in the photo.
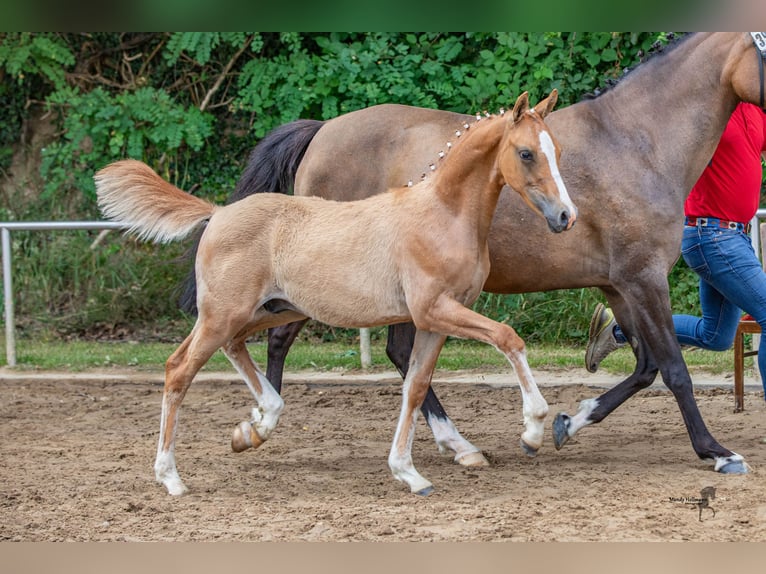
(415, 254)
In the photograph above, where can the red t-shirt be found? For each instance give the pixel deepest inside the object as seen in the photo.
(730, 186)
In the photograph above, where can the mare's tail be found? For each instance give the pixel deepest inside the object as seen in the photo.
(153, 209)
(273, 163)
(271, 168)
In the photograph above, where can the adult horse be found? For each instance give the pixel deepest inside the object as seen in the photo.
(416, 255)
(631, 156)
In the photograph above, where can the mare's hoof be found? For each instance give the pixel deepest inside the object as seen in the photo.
(734, 467)
(473, 460)
(560, 430)
(425, 491)
(531, 452)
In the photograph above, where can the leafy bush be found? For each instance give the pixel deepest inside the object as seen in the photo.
(100, 127)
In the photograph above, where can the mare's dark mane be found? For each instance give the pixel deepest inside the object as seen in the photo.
(657, 49)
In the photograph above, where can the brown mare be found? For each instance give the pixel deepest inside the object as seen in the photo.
(415, 254)
(632, 155)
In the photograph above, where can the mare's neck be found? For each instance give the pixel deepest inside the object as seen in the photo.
(673, 109)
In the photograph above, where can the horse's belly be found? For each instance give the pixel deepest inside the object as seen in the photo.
(356, 310)
(347, 300)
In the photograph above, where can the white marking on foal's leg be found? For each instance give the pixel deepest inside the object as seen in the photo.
(165, 471)
(734, 464)
(549, 150)
(265, 415)
(534, 405)
(448, 438)
(270, 407)
(400, 461)
(404, 470)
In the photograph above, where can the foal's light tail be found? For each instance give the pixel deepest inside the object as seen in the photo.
(153, 209)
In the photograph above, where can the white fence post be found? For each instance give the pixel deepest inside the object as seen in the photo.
(10, 321)
(364, 348)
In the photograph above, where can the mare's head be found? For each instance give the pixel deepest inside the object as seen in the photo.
(528, 162)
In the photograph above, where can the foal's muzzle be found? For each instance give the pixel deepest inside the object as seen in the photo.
(560, 215)
(560, 218)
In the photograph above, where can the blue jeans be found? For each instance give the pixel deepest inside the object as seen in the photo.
(732, 280)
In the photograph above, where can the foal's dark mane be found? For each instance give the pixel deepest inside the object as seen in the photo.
(656, 50)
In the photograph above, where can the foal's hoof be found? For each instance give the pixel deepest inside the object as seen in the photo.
(473, 460)
(425, 491)
(174, 486)
(530, 451)
(245, 437)
(560, 430)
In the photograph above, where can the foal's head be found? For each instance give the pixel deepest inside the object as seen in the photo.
(528, 162)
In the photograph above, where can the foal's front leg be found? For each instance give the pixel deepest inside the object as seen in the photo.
(452, 318)
(399, 350)
(425, 352)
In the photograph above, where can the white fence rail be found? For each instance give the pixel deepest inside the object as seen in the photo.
(7, 247)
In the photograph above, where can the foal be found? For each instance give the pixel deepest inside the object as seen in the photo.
(415, 254)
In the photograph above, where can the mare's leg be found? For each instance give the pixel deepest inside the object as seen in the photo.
(180, 369)
(452, 318)
(269, 405)
(401, 337)
(280, 340)
(425, 352)
(643, 312)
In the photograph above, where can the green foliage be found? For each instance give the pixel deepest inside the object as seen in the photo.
(684, 289)
(67, 287)
(200, 45)
(26, 54)
(549, 317)
(29, 64)
(99, 127)
(329, 74)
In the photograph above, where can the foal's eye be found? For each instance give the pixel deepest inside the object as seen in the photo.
(525, 155)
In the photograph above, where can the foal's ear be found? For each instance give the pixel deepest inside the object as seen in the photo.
(522, 105)
(546, 106)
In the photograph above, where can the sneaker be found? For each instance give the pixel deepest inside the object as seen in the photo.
(601, 339)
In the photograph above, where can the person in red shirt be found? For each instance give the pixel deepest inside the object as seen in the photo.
(716, 246)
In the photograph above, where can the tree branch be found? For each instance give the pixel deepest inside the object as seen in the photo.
(223, 75)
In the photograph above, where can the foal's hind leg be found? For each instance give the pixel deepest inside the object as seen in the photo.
(251, 434)
(401, 337)
(180, 369)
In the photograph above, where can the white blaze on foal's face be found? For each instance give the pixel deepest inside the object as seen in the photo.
(549, 150)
